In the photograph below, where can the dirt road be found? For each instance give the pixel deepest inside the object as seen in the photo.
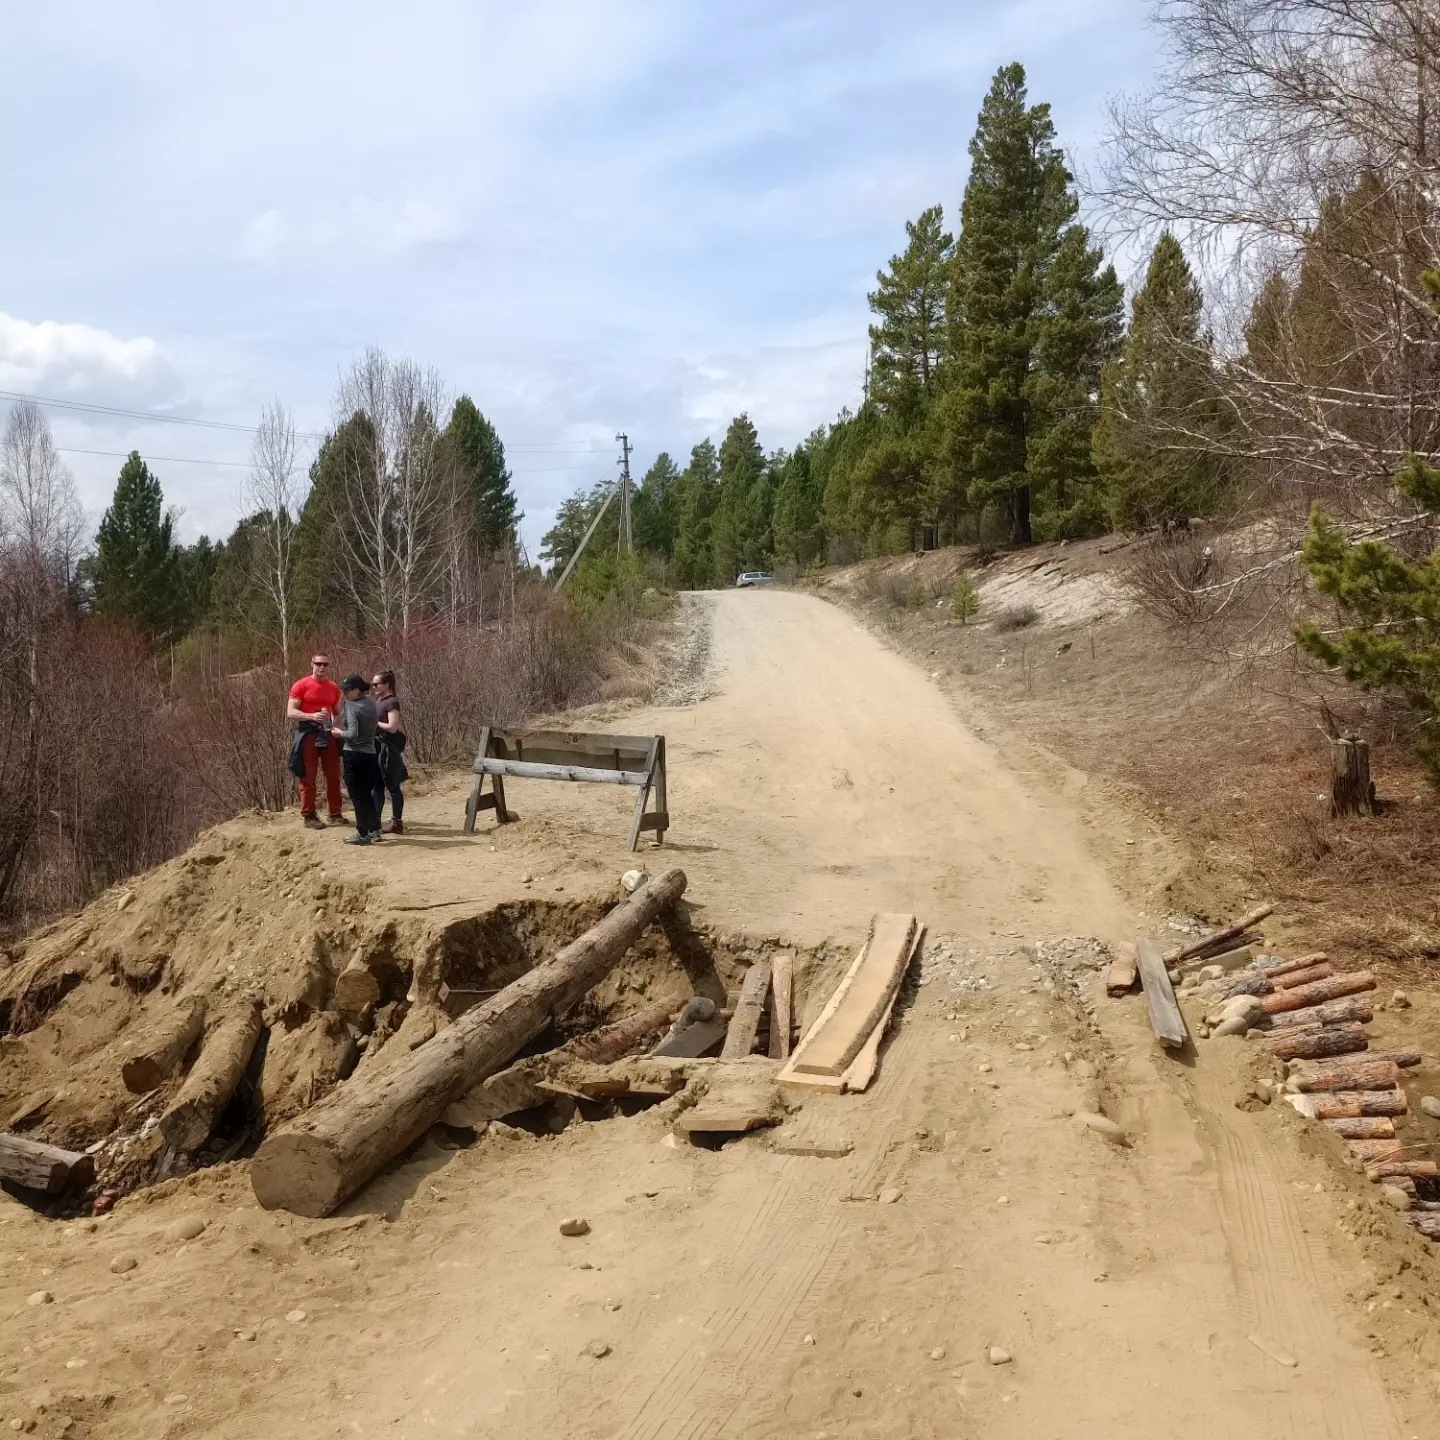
(747, 1292)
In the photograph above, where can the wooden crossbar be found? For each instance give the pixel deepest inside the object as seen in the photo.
(588, 757)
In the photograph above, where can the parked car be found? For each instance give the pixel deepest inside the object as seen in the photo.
(751, 577)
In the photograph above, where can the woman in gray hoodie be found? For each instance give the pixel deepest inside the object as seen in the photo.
(356, 733)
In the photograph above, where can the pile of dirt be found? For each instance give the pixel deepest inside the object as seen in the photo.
(241, 920)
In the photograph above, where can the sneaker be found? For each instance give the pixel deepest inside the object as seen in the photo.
(313, 822)
(374, 837)
(338, 819)
(358, 839)
(394, 827)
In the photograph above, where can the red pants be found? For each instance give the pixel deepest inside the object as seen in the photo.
(314, 758)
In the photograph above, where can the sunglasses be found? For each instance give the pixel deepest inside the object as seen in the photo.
(320, 664)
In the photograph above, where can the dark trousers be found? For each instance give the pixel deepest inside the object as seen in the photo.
(390, 763)
(362, 775)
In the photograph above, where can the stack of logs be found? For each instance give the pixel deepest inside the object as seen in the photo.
(1312, 1017)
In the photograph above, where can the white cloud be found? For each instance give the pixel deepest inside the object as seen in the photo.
(363, 228)
(72, 357)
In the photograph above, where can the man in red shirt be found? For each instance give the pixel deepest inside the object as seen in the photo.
(314, 700)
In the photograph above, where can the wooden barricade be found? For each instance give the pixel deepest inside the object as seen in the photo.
(588, 757)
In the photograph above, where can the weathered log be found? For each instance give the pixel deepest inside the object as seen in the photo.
(1250, 982)
(1415, 1169)
(612, 1041)
(1217, 937)
(1237, 958)
(327, 1153)
(356, 987)
(1361, 1073)
(307, 985)
(1291, 978)
(1300, 962)
(1403, 1058)
(1348, 1104)
(212, 1079)
(1333, 1012)
(1427, 1224)
(150, 1060)
(1165, 1017)
(1364, 1127)
(1352, 792)
(42, 1167)
(1375, 1152)
(304, 1063)
(1331, 988)
(1322, 1040)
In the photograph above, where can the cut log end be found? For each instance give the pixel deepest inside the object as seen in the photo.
(300, 1173)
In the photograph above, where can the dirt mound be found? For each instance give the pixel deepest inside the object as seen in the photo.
(342, 982)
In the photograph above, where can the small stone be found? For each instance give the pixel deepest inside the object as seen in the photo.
(76, 1364)
(295, 1317)
(1430, 1104)
(1395, 1197)
(596, 1350)
(187, 1227)
(1400, 1000)
(63, 1424)
(40, 1297)
(984, 1069)
(632, 880)
(123, 1263)
(126, 900)
(938, 1353)
(1002, 1200)
(245, 1335)
(1103, 1126)
(575, 1226)
(612, 1305)
(996, 1356)
(176, 1399)
(889, 1196)
(809, 1340)
(1235, 1025)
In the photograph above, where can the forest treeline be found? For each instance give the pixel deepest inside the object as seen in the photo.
(1005, 399)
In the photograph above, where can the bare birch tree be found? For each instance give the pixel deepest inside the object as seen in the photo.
(395, 490)
(274, 492)
(40, 514)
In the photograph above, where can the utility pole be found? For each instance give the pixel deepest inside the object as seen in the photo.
(626, 536)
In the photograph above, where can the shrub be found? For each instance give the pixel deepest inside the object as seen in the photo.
(1015, 617)
(965, 602)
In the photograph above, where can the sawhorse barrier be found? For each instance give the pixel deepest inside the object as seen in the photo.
(592, 758)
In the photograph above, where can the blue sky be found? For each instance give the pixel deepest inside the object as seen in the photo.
(590, 215)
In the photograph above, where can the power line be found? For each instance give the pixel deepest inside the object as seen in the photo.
(86, 407)
(157, 459)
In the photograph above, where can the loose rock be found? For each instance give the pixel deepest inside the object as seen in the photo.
(1431, 1106)
(187, 1227)
(1235, 1025)
(1395, 1197)
(888, 1196)
(575, 1226)
(997, 1356)
(122, 1263)
(596, 1350)
(632, 880)
(938, 1353)
(40, 1297)
(1103, 1126)
(295, 1317)
(1400, 1000)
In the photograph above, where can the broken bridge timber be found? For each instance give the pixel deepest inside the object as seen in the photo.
(587, 757)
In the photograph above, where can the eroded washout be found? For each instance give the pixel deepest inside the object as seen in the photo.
(102, 1015)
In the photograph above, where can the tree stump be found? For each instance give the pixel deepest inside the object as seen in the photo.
(1352, 791)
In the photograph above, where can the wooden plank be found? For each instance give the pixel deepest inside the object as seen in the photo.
(740, 1038)
(1124, 970)
(840, 1036)
(637, 823)
(42, 1167)
(1216, 937)
(693, 1041)
(782, 981)
(1165, 1017)
(631, 747)
(524, 770)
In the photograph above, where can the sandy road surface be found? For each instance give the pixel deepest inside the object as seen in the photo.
(745, 1292)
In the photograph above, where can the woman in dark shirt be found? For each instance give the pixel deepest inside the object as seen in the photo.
(391, 741)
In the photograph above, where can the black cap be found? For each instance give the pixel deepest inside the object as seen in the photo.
(354, 682)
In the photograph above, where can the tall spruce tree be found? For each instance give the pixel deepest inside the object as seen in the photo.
(137, 572)
(1156, 441)
(799, 499)
(909, 300)
(481, 455)
(741, 539)
(697, 494)
(653, 517)
(1032, 315)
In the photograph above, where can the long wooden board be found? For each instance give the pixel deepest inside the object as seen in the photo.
(861, 1071)
(740, 1037)
(782, 989)
(1165, 1017)
(858, 1007)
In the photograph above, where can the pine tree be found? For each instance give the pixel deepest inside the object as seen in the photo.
(741, 538)
(1016, 221)
(473, 439)
(697, 494)
(321, 593)
(799, 500)
(909, 298)
(136, 570)
(654, 517)
(1390, 609)
(1155, 445)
